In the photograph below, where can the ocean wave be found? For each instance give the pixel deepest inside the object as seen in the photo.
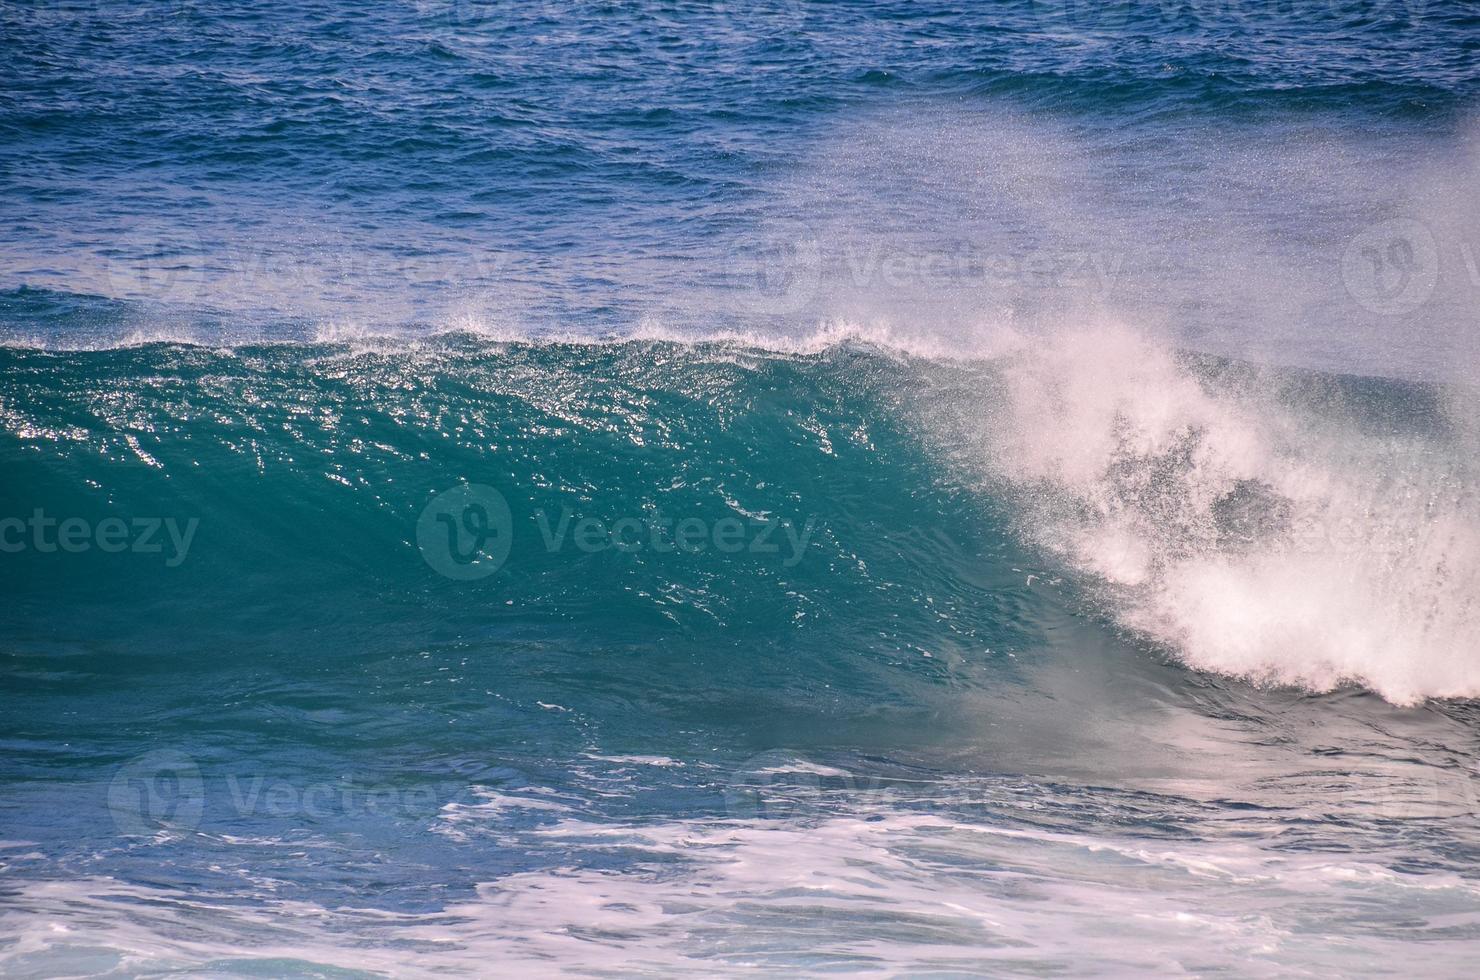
(1283, 527)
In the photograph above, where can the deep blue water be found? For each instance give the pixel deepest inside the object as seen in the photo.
(650, 487)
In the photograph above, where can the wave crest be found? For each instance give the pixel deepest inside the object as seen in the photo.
(1228, 520)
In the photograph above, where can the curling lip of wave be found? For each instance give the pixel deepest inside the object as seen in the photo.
(1248, 536)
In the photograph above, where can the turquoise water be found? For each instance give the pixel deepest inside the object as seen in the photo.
(633, 488)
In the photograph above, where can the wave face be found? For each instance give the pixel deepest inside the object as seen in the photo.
(309, 472)
(1282, 527)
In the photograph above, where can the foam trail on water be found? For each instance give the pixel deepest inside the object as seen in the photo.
(1248, 535)
(876, 892)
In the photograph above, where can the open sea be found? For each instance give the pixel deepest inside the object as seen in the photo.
(651, 487)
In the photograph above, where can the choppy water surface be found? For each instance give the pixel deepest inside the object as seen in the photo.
(625, 488)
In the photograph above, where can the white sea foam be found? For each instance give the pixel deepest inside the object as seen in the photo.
(1251, 537)
(810, 338)
(881, 894)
